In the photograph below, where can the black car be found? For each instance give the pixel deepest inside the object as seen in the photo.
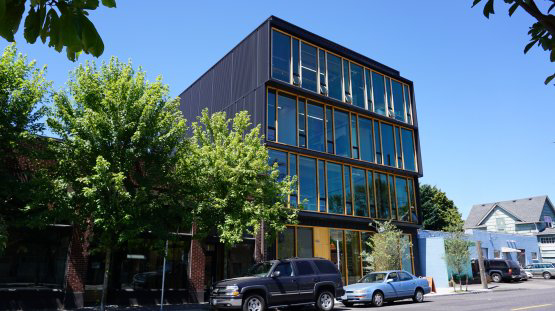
(279, 283)
(502, 270)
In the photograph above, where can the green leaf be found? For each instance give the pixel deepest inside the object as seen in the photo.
(109, 3)
(552, 56)
(45, 31)
(529, 46)
(12, 18)
(488, 8)
(32, 26)
(513, 8)
(68, 31)
(475, 2)
(92, 43)
(551, 77)
(551, 8)
(2, 8)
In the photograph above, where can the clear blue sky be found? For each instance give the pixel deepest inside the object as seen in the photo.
(486, 119)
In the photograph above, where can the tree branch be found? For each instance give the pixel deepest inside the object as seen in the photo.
(548, 21)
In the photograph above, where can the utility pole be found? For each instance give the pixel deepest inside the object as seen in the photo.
(483, 278)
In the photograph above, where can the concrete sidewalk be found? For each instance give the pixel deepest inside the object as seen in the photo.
(477, 288)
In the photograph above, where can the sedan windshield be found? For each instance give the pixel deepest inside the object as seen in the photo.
(260, 269)
(376, 277)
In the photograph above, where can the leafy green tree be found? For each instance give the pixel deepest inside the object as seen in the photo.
(64, 22)
(541, 32)
(438, 211)
(121, 138)
(239, 190)
(457, 253)
(23, 88)
(387, 248)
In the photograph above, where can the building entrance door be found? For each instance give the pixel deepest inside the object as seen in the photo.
(521, 257)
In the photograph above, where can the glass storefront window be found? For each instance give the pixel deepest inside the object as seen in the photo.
(353, 256)
(337, 254)
(398, 102)
(307, 183)
(309, 66)
(315, 130)
(408, 149)
(341, 124)
(287, 119)
(280, 158)
(382, 192)
(359, 185)
(334, 77)
(406, 257)
(335, 188)
(357, 80)
(322, 184)
(402, 198)
(305, 248)
(388, 144)
(271, 115)
(281, 55)
(286, 243)
(366, 139)
(365, 238)
(378, 88)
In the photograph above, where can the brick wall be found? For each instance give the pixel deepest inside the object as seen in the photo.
(196, 270)
(76, 270)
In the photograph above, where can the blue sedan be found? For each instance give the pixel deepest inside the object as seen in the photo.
(378, 287)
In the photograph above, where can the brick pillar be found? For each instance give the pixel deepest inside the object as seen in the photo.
(196, 270)
(260, 244)
(76, 269)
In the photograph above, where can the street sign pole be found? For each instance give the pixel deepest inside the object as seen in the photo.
(163, 277)
(483, 278)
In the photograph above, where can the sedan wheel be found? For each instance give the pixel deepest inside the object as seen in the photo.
(418, 296)
(377, 299)
(546, 275)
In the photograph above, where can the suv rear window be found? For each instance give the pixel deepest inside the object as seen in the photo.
(513, 264)
(497, 264)
(326, 267)
(304, 267)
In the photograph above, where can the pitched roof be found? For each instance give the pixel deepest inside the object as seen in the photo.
(527, 210)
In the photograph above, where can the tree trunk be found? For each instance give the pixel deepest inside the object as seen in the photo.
(105, 281)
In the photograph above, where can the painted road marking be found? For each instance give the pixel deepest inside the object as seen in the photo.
(532, 307)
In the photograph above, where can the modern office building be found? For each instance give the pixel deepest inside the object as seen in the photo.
(343, 123)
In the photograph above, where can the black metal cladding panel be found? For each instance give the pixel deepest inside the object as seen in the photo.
(259, 114)
(244, 67)
(250, 106)
(222, 83)
(263, 50)
(206, 94)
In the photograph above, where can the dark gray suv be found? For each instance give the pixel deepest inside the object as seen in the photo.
(280, 283)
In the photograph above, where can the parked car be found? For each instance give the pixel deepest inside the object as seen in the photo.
(378, 287)
(529, 274)
(524, 276)
(545, 270)
(280, 283)
(502, 270)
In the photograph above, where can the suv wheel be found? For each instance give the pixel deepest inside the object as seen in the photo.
(546, 275)
(496, 277)
(325, 301)
(254, 303)
(377, 299)
(418, 296)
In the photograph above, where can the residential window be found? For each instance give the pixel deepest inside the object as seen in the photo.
(334, 77)
(315, 130)
(547, 240)
(371, 198)
(308, 191)
(388, 144)
(393, 195)
(347, 82)
(408, 150)
(402, 198)
(309, 67)
(378, 88)
(341, 126)
(322, 184)
(485, 252)
(305, 247)
(534, 256)
(398, 101)
(293, 172)
(329, 130)
(302, 123)
(271, 115)
(366, 139)
(377, 139)
(348, 190)
(398, 150)
(354, 137)
(357, 81)
(287, 121)
(496, 253)
(368, 79)
(408, 106)
(296, 63)
(281, 55)
(382, 192)
(359, 186)
(322, 65)
(335, 188)
(280, 158)
(500, 224)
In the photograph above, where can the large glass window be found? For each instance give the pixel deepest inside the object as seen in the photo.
(388, 144)
(334, 77)
(329, 129)
(280, 158)
(353, 256)
(335, 188)
(398, 147)
(366, 139)
(293, 172)
(377, 139)
(337, 255)
(398, 101)
(348, 190)
(341, 122)
(309, 67)
(388, 96)
(378, 88)
(365, 236)
(316, 136)
(371, 197)
(296, 62)
(347, 81)
(307, 183)
(357, 80)
(354, 137)
(359, 185)
(286, 243)
(392, 194)
(408, 149)
(322, 184)
(287, 121)
(304, 242)
(382, 192)
(271, 115)
(322, 63)
(408, 107)
(406, 260)
(402, 198)
(413, 216)
(368, 79)
(281, 54)
(302, 124)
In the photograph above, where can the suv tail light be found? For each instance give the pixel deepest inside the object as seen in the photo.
(510, 271)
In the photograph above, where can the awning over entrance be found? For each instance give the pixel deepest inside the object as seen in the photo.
(509, 250)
